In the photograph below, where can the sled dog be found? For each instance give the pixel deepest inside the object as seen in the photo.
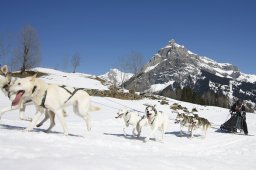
(131, 118)
(185, 121)
(157, 120)
(5, 81)
(53, 98)
(200, 122)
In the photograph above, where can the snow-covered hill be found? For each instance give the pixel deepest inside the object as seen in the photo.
(71, 79)
(116, 77)
(106, 148)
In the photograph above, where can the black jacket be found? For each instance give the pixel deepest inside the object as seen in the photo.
(240, 110)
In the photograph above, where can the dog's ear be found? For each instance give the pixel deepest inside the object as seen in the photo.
(33, 78)
(4, 69)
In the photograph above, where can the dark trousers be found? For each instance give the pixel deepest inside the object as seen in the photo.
(244, 126)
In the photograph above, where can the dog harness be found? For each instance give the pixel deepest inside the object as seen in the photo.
(71, 93)
(44, 97)
(43, 100)
(127, 122)
(64, 87)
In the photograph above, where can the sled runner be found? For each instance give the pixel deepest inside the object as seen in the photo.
(233, 124)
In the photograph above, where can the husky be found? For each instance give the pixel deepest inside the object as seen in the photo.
(131, 118)
(5, 81)
(201, 122)
(185, 121)
(157, 120)
(54, 98)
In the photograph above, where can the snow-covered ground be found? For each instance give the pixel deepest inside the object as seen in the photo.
(105, 147)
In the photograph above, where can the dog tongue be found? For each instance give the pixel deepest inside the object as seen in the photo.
(17, 99)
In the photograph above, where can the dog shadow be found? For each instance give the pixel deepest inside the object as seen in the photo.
(10, 127)
(130, 137)
(184, 134)
(20, 128)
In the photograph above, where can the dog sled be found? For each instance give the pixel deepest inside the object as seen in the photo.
(233, 125)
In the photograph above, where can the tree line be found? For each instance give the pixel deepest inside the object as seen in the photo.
(208, 98)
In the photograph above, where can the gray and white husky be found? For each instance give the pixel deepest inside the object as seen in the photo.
(185, 121)
(193, 122)
(200, 122)
(157, 120)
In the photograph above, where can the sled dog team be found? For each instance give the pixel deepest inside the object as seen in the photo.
(51, 100)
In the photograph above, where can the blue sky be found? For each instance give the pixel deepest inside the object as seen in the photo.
(102, 31)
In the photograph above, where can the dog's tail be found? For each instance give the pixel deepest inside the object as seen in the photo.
(94, 108)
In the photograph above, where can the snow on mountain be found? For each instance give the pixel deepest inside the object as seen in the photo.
(158, 87)
(71, 79)
(115, 76)
(174, 63)
(247, 78)
(220, 69)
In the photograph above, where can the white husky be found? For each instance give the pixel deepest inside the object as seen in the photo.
(157, 121)
(131, 118)
(53, 98)
(5, 80)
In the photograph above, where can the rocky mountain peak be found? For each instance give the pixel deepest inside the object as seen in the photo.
(172, 42)
(174, 66)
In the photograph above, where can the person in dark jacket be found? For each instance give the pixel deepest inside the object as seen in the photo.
(239, 109)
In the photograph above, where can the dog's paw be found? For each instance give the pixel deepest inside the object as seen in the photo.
(47, 131)
(26, 119)
(29, 119)
(161, 140)
(38, 125)
(27, 130)
(134, 134)
(146, 140)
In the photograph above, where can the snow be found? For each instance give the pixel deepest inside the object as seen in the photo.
(105, 147)
(218, 67)
(71, 79)
(247, 77)
(178, 45)
(159, 87)
(191, 53)
(150, 68)
(116, 76)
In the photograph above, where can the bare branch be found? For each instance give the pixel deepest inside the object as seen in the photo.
(27, 54)
(75, 61)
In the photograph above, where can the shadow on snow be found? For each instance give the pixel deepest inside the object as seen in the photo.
(11, 127)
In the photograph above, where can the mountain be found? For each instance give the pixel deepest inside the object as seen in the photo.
(174, 67)
(116, 77)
